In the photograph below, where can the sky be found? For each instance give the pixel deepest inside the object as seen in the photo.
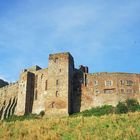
(101, 34)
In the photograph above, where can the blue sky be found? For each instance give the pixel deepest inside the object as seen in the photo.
(104, 35)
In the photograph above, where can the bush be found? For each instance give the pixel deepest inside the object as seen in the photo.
(121, 108)
(42, 113)
(132, 105)
(98, 111)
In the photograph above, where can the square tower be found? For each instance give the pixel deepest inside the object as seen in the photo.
(25, 93)
(60, 84)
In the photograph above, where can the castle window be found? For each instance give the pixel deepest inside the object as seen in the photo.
(85, 80)
(57, 82)
(57, 94)
(108, 83)
(97, 91)
(95, 83)
(4, 103)
(129, 90)
(122, 82)
(129, 83)
(36, 78)
(122, 90)
(46, 85)
(35, 97)
(108, 90)
(52, 104)
(56, 60)
(59, 70)
(41, 76)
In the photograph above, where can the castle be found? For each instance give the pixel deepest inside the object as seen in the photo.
(61, 89)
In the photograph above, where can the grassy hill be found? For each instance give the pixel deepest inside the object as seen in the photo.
(107, 127)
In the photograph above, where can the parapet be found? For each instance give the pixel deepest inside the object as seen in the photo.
(113, 73)
(64, 55)
(34, 68)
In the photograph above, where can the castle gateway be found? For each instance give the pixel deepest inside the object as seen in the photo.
(61, 89)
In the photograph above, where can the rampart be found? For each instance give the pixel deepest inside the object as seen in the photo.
(8, 100)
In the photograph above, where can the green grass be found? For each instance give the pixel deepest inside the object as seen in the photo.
(107, 127)
(22, 118)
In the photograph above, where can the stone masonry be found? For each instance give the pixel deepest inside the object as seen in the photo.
(61, 89)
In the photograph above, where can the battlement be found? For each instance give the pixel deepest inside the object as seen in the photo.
(65, 55)
(113, 73)
(33, 68)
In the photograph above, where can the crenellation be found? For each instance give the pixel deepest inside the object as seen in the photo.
(61, 89)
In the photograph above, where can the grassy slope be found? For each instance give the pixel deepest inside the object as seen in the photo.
(110, 127)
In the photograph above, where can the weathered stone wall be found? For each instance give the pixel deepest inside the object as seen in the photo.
(60, 73)
(8, 100)
(40, 90)
(61, 89)
(95, 92)
(25, 93)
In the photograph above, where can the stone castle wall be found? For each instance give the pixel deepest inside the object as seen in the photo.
(8, 100)
(62, 89)
(60, 71)
(109, 88)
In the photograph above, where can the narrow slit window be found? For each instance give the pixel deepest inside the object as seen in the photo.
(57, 82)
(57, 94)
(35, 95)
(46, 85)
(52, 104)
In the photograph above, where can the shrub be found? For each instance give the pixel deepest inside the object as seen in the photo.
(121, 108)
(132, 105)
(98, 111)
(42, 113)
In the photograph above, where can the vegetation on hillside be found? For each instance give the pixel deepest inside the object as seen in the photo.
(101, 123)
(130, 105)
(112, 126)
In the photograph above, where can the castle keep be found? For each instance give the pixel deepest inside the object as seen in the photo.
(61, 89)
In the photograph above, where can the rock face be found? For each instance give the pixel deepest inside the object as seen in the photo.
(61, 89)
